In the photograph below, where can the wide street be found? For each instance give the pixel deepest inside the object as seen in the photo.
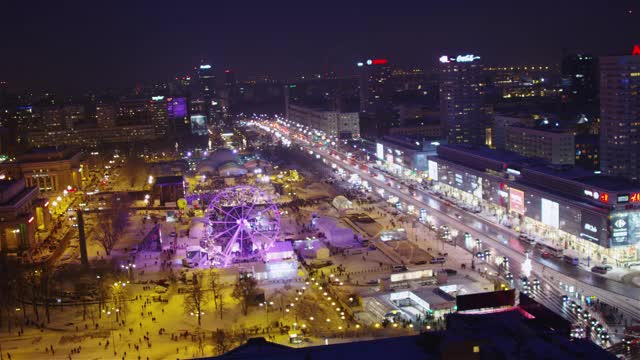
(502, 241)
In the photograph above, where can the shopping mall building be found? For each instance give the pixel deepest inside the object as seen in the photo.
(595, 215)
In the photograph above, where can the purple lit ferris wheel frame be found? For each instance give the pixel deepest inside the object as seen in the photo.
(243, 224)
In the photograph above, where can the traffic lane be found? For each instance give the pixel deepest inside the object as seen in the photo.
(560, 266)
(500, 234)
(484, 227)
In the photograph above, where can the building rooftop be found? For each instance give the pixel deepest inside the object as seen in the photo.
(588, 178)
(50, 153)
(169, 180)
(6, 184)
(507, 157)
(574, 173)
(501, 335)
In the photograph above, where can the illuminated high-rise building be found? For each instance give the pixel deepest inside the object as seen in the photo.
(106, 114)
(158, 114)
(376, 92)
(580, 76)
(620, 115)
(462, 99)
(206, 82)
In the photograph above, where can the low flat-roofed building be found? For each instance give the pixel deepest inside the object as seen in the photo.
(169, 188)
(405, 155)
(50, 169)
(502, 335)
(22, 214)
(597, 216)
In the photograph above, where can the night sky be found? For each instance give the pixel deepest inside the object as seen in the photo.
(97, 44)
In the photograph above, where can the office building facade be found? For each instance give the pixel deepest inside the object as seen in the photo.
(462, 99)
(620, 116)
(345, 125)
(556, 147)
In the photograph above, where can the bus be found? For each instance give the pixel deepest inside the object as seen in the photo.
(554, 250)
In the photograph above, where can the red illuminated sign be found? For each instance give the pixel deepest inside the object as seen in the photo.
(635, 197)
(604, 197)
(384, 61)
(636, 50)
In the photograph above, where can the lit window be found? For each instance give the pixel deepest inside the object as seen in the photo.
(476, 349)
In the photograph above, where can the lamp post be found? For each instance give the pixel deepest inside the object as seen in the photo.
(129, 267)
(266, 305)
(113, 336)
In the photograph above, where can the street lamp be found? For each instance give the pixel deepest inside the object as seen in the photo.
(113, 336)
(266, 305)
(129, 268)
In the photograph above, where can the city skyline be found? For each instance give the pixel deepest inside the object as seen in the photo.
(60, 47)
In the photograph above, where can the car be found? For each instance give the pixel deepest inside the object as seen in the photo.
(508, 276)
(547, 255)
(173, 234)
(585, 315)
(451, 272)
(420, 262)
(160, 289)
(599, 328)
(598, 269)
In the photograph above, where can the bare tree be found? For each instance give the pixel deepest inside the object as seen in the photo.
(195, 299)
(102, 293)
(112, 222)
(8, 293)
(216, 286)
(46, 283)
(223, 341)
(245, 291)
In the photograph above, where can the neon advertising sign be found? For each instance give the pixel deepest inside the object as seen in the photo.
(636, 50)
(460, 58)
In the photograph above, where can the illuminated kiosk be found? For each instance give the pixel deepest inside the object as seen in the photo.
(243, 224)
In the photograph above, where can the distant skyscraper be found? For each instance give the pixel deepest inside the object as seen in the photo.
(620, 115)
(229, 78)
(462, 99)
(72, 114)
(376, 92)
(158, 113)
(106, 114)
(206, 82)
(580, 77)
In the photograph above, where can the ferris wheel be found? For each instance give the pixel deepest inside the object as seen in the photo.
(243, 224)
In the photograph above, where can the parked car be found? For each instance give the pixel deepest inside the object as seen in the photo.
(599, 269)
(546, 255)
(451, 272)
